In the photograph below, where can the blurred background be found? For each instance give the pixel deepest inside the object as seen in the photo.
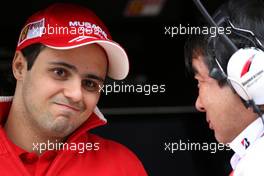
(144, 123)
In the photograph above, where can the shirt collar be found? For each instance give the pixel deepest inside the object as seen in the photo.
(247, 137)
(245, 140)
(5, 104)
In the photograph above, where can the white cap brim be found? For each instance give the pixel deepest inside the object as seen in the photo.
(118, 67)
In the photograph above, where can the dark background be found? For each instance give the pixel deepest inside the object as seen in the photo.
(155, 58)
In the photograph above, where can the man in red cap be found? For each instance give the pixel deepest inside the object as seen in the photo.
(62, 58)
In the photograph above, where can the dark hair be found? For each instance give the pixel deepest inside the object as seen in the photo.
(31, 52)
(243, 14)
(195, 45)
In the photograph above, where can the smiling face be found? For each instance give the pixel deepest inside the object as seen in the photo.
(61, 90)
(225, 112)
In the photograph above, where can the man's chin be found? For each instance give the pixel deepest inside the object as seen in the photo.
(62, 125)
(221, 139)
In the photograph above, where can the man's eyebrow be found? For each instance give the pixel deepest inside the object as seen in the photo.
(92, 76)
(72, 67)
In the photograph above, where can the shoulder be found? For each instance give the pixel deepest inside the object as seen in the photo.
(252, 162)
(119, 154)
(113, 148)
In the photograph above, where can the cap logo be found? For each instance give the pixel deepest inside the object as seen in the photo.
(32, 30)
(247, 65)
(245, 143)
(88, 28)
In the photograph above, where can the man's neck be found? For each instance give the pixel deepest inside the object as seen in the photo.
(22, 132)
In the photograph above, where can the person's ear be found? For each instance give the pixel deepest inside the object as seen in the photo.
(19, 65)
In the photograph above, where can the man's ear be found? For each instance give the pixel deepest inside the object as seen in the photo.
(19, 65)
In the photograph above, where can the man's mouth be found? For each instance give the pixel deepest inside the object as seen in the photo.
(210, 124)
(69, 106)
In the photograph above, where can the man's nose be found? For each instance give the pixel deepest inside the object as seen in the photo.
(198, 105)
(73, 90)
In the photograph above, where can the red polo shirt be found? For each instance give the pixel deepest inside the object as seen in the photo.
(101, 157)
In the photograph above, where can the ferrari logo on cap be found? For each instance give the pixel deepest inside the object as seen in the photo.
(31, 30)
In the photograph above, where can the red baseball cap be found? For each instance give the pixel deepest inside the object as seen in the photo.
(65, 26)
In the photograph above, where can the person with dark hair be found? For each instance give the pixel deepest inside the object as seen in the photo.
(63, 56)
(231, 83)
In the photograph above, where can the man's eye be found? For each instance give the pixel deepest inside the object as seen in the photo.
(60, 72)
(90, 85)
